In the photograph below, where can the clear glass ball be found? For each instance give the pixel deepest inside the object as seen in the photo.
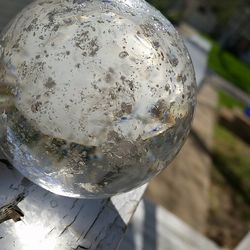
(96, 97)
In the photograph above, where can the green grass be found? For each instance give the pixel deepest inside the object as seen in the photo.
(229, 67)
(232, 158)
(228, 101)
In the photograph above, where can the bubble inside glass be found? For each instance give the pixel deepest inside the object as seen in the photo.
(96, 97)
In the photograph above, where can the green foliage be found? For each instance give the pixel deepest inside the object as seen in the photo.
(227, 9)
(228, 101)
(224, 9)
(166, 8)
(162, 5)
(230, 67)
(232, 159)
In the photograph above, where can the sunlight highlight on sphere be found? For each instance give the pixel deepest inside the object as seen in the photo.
(96, 97)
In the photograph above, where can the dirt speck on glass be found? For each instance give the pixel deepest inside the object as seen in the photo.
(96, 97)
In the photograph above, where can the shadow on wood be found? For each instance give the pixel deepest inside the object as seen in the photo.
(142, 233)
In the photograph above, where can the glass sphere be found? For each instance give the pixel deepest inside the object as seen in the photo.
(96, 97)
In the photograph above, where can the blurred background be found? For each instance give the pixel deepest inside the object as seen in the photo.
(204, 196)
(208, 185)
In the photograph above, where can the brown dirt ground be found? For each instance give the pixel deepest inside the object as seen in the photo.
(192, 188)
(183, 188)
(229, 216)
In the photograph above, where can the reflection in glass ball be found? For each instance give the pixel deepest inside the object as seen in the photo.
(96, 97)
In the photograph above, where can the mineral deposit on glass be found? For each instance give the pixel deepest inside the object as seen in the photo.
(96, 97)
